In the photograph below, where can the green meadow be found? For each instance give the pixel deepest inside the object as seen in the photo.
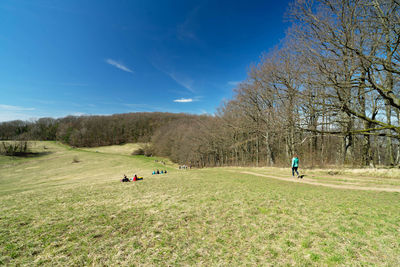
(67, 206)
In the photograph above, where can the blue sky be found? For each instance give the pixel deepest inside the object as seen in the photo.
(76, 57)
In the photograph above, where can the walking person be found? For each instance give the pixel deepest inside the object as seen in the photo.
(295, 165)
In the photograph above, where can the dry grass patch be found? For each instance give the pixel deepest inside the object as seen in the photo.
(125, 149)
(359, 177)
(393, 173)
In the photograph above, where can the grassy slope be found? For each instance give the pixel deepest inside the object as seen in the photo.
(125, 149)
(54, 211)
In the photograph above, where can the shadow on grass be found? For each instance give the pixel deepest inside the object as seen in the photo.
(30, 154)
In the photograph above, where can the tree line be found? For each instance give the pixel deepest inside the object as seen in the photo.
(89, 131)
(328, 92)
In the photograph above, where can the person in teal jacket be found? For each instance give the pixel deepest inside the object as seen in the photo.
(295, 165)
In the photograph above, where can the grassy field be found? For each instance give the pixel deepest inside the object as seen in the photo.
(57, 211)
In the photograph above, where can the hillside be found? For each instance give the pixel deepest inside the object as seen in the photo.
(57, 212)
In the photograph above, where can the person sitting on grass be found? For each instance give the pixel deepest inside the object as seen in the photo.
(165, 171)
(136, 178)
(125, 179)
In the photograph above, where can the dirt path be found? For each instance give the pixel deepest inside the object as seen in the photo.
(307, 181)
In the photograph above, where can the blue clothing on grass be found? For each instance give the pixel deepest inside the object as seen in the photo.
(295, 165)
(295, 162)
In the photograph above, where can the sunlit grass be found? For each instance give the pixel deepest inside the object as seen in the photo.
(361, 177)
(56, 212)
(125, 149)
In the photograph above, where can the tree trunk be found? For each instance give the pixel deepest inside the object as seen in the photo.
(389, 145)
(270, 156)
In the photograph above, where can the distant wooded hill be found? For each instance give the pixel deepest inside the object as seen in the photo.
(91, 131)
(228, 138)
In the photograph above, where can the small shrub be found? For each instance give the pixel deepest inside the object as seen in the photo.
(16, 148)
(139, 151)
(148, 151)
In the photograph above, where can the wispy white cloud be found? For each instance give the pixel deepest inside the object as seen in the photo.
(14, 108)
(118, 65)
(183, 100)
(12, 115)
(185, 33)
(9, 113)
(185, 30)
(182, 80)
(179, 78)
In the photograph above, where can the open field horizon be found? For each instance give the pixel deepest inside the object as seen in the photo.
(68, 207)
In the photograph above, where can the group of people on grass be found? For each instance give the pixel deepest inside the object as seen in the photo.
(295, 166)
(184, 167)
(133, 179)
(137, 178)
(159, 172)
